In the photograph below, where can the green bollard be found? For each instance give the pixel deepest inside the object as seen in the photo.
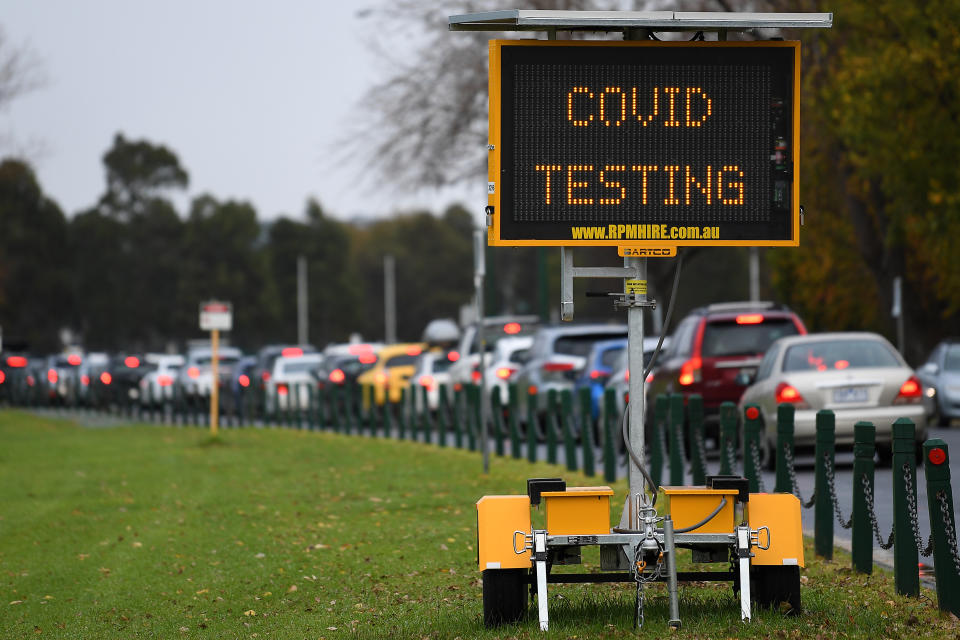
(389, 407)
(751, 437)
(943, 525)
(864, 448)
(425, 418)
(698, 466)
(823, 510)
(586, 433)
(661, 410)
(566, 417)
(473, 416)
(728, 437)
(348, 392)
(443, 415)
(906, 556)
(459, 414)
(785, 416)
(532, 424)
(496, 410)
(609, 424)
(677, 474)
(550, 425)
(402, 415)
(513, 417)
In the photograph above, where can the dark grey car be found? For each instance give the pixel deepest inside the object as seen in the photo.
(940, 376)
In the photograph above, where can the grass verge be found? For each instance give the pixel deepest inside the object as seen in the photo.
(155, 532)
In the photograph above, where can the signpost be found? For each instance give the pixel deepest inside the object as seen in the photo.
(215, 316)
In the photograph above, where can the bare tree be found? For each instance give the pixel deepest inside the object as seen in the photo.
(21, 72)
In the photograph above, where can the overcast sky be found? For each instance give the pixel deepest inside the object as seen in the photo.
(251, 96)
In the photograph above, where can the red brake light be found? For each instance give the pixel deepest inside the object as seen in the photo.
(649, 377)
(193, 372)
(910, 392)
(532, 390)
(841, 364)
(52, 376)
(3, 377)
(85, 380)
(453, 356)
(512, 328)
(788, 393)
(558, 366)
(282, 389)
(367, 358)
(504, 373)
(16, 362)
(596, 375)
(263, 376)
(106, 378)
(427, 381)
(690, 371)
(244, 380)
(30, 381)
(414, 350)
(337, 376)
(292, 352)
(750, 318)
(358, 349)
(476, 376)
(132, 362)
(164, 380)
(74, 359)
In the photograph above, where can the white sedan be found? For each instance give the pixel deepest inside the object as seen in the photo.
(859, 376)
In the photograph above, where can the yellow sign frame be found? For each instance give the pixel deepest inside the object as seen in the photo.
(494, 147)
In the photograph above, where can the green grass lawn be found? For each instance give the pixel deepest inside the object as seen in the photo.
(159, 532)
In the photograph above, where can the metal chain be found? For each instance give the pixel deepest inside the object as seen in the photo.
(641, 580)
(948, 529)
(788, 457)
(755, 456)
(701, 451)
(872, 514)
(925, 551)
(832, 489)
(731, 455)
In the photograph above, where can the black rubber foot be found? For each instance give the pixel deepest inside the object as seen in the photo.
(504, 596)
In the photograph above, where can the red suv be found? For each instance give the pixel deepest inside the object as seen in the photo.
(712, 345)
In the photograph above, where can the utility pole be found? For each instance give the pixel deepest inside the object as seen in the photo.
(389, 300)
(302, 336)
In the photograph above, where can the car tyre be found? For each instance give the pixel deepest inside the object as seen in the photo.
(504, 596)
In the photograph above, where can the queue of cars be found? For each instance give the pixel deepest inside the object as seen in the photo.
(745, 352)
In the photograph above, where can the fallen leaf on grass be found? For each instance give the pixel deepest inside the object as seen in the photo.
(17, 602)
(250, 612)
(292, 588)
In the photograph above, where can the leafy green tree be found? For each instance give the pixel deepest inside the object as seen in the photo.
(35, 296)
(138, 172)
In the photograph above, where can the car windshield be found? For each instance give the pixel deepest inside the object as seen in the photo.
(951, 362)
(727, 338)
(204, 361)
(401, 360)
(580, 345)
(300, 366)
(609, 357)
(838, 355)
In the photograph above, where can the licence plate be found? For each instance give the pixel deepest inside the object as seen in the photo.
(850, 394)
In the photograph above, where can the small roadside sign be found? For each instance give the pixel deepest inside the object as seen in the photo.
(216, 315)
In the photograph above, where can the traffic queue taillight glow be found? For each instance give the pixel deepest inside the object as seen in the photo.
(3, 377)
(911, 392)
(937, 456)
(337, 376)
(427, 381)
(74, 360)
(512, 328)
(504, 373)
(16, 362)
(690, 371)
(453, 356)
(132, 362)
(750, 318)
(414, 350)
(106, 378)
(244, 380)
(292, 352)
(52, 376)
(368, 357)
(788, 393)
(193, 372)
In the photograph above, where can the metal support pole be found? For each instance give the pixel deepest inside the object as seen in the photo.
(636, 383)
(389, 300)
(302, 332)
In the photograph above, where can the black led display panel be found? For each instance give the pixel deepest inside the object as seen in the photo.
(644, 143)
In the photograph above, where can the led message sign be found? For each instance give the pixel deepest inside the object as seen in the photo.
(643, 144)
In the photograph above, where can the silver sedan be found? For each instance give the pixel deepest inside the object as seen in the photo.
(859, 376)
